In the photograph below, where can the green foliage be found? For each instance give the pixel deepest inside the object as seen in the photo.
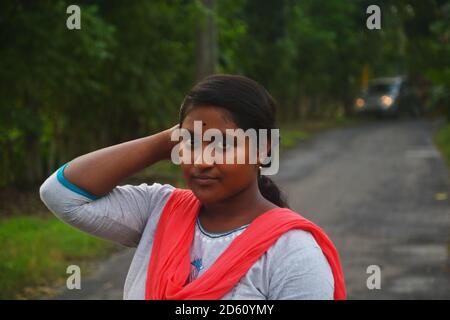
(65, 92)
(292, 136)
(442, 140)
(125, 73)
(37, 252)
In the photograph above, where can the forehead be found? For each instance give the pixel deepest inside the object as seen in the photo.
(211, 117)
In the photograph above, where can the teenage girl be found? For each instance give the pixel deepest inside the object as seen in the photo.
(229, 236)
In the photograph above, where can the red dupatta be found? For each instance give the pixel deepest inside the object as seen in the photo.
(169, 264)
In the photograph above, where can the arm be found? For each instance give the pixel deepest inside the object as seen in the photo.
(100, 171)
(117, 213)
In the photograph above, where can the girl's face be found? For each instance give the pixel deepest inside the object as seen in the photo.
(212, 182)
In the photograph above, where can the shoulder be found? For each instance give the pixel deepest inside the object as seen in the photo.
(296, 246)
(298, 269)
(298, 238)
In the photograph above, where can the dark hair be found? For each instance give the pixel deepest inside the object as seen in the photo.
(250, 105)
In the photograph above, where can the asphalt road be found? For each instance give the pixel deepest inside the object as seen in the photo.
(378, 190)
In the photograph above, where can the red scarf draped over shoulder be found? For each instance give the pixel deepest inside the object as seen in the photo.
(169, 264)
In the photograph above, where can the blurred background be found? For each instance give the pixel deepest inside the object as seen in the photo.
(364, 117)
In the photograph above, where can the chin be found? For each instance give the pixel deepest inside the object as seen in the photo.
(207, 195)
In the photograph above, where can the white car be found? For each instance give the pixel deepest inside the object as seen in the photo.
(389, 96)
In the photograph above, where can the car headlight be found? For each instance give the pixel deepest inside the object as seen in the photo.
(386, 101)
(360, 102)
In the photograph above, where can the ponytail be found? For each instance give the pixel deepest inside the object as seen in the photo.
(271, 192)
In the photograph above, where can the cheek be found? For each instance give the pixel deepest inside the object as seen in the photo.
(246, 153)
(237, 176)
(185, 169)
(186, 153)
(234, 178)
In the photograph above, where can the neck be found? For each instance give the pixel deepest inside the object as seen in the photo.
(233, 212)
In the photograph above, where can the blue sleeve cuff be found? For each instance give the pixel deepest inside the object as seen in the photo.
(71, 186)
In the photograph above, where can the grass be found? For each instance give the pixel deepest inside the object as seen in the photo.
(442, 140)
(292, 136)
(37, 251)
(316, 125)
(293, 133)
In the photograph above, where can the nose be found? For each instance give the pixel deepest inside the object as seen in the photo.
(202, 165)
(199, 161)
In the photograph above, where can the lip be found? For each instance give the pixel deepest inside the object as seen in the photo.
(204, 180)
